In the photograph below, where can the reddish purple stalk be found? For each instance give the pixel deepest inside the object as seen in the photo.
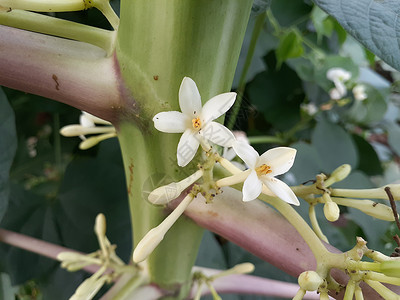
(71, 72)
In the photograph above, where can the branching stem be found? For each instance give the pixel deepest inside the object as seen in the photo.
(57, 27)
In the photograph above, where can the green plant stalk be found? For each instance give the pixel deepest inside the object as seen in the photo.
(159, 42)
(315, 224)
(264, 139)
(48, 25)
(46, 5)
(249, 57)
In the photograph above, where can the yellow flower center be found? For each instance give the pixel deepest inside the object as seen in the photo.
(263, 170)
(196, 123)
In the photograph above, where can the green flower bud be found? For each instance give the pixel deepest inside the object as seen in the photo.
(391, 268)
(338, 174)
(310, 280)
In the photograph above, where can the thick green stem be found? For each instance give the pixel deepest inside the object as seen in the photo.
(159, 42)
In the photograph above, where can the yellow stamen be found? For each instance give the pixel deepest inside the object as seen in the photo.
(263, 170)
(196, 123)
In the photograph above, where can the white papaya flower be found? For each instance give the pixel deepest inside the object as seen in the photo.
(359, 92)
(196, 121)
(339, 76)
(264, 168)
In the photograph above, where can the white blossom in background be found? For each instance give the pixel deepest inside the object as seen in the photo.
(263, 170)
(195, 121)
(359, 92)
(88, 125)
(310, 108)
(339, 76)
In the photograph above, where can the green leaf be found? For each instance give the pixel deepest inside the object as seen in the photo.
(290, 46)
(289, 12)
(8, 145)
(307, 163)
(322, 23)
(91, 186)
(369, 110)
(394, 137)
(277, 94)
(7, 291)
(28, 214)
(334, 145)
(368, 159)
(210, 253)
(373, 23)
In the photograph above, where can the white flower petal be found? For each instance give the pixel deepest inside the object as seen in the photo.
(252, 187)
(335, 94)
(189, 97)
(246, 153)
(95, 119)
(217, 106)
(340, 87)
(359, 92)
(218, 134)
(280, 189)
(187, 147)
(85, 120)
(280, 159)
(171, 122)
(338, 73)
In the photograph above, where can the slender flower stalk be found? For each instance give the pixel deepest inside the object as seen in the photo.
(64, 6)
(358, 293)
(151, 240)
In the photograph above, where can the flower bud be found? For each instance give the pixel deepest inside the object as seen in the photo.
(395, 190)
(147, 245)
(391, 268)
(165, 194)
(243, 268)
(100, 225)
(89, 288)
(310, 280)
(89, 143)
(72, 130)
(338, 174)
(76, 266)
(376, 210)
(169, 192)
(69, 256)
(331, 211)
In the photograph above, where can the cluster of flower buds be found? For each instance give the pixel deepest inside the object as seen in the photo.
(340, 77)
(105, 258)
(89, 126)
